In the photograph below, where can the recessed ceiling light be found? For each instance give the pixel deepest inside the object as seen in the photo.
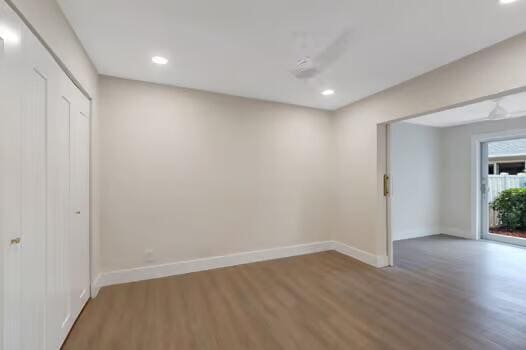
(506, 2)
(159, 60)
(327, 92)
(8, 35)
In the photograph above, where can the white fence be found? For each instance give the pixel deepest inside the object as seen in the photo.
(499, 183)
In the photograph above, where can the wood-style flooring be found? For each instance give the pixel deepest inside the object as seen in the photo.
(444, 293)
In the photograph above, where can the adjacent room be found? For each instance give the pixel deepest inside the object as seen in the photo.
(262, 175)
(459, 173)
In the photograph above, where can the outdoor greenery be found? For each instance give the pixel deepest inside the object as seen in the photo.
(510, 206)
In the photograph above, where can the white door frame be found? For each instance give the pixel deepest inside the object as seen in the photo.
(476, 168)
(390, 248)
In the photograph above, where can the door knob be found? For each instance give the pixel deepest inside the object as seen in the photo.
(15, 241)
(77, 212)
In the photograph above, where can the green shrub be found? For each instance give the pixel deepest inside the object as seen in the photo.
(510, 206)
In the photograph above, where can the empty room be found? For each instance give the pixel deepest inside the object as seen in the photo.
(202, 174)
(458, 177)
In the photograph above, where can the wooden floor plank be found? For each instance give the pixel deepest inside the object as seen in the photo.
(444, 293)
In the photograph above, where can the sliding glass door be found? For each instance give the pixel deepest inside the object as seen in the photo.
(503, 191)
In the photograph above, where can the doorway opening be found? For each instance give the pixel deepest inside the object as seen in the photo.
(503, 190)
(447, 170)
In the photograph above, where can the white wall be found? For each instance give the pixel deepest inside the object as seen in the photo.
(52, 26)
(360, 204)
(192, 174)
(457, 181)
(416, 173)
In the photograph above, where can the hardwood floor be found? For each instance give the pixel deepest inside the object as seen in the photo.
(444, 293)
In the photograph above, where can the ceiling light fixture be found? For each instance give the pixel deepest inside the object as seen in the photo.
(506, 2)
(8, 35)
(327, 92)
(159, 60)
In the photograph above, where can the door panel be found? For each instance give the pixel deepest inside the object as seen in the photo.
(25, 111)
(33, 206)
(11, 66)
(58, 252)
(80, 203)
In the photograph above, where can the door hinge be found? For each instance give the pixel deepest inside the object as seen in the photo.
(387, 185)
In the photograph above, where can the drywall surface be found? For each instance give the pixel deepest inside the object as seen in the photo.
(359, 220)
(416, 175)
(188, 174)
(456, 172)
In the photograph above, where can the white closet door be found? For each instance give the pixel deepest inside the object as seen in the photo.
(58, 271)
(45, 246)
(10, 186)
(24, 190)
(79, 199)
(44, 193)
(68, 211)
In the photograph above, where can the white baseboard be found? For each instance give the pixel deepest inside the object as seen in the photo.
(95, 285)
(182, 267)
(453, 231)
(363, 256)
(410, 234)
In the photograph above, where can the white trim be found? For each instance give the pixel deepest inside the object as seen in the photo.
(518, 241)
(389, 201)
(476, 141)
(203, 264)
(415, 233)
(514, 155)
(363, 256)
(95, 285)
(183, 267)
(457, 232)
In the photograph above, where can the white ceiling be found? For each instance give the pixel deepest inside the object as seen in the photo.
(473, 113)
(248, 47)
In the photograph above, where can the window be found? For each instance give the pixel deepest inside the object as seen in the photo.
(512, 168)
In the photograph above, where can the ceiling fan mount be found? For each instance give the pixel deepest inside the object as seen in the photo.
(310, 64)
(500, 112)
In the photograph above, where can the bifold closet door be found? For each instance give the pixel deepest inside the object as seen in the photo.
(67, 270)
(60, 315)
(79, 200)
(28, 79)
(68, 211)
(44, 191)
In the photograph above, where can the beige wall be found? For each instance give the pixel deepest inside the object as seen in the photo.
(359, 205)
(51, 25)
(192, 174)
